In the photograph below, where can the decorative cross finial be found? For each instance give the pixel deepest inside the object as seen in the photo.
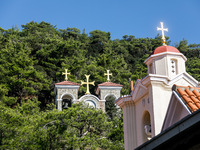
(162, 29)
(87, 83)
(65, 73)
(108, 75)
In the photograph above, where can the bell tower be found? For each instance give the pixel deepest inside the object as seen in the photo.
(108, 90)
(166, 60)
(66, 92)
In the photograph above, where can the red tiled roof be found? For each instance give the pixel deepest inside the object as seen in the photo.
(190, 95)
(109, 84)
(162, 49)
(67, 83)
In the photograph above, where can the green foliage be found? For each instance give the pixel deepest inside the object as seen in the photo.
(33, 59)
(18, 75)
(111, 109)
(79, 127)
(117, 133)
(192, 53)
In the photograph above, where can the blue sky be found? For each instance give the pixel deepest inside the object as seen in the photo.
(120, 17)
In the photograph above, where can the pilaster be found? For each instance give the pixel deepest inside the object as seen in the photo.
(59, 106)
(129, 118)
(102, 105)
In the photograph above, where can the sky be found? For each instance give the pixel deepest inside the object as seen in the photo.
(139, 18)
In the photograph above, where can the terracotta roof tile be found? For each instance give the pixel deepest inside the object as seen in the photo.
(67, 83)
(190, 95)
(109, 84)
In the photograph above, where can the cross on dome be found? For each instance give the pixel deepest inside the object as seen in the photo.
(65, 73)
(163, 34)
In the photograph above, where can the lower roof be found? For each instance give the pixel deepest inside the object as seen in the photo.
(189, 95)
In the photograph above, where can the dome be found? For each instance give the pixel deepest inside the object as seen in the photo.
(163, 49)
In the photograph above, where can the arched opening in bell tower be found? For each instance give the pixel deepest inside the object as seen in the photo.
(67, 101)
(146, 126)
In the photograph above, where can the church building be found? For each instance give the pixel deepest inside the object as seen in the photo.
(67, 92)
(165, 96)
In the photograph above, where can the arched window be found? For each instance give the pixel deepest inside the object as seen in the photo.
(91, 103)
(146, 122)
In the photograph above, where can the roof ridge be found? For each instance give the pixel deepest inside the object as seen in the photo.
(109, 84)
(67, 83)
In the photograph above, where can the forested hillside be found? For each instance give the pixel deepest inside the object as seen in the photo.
(32, 61)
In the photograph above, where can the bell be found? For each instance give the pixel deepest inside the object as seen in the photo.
(65, 106)
(147, 129)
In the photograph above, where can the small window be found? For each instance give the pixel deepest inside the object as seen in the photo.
(151, 68)
(173, 66)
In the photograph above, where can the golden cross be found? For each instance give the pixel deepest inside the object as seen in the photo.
(65, 73)
(163, 34)
(87, 83)
(108, 75)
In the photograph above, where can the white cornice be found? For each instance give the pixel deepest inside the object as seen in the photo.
(124, 100)
(153, 77)
(67, 86)
(185, 76)
(164, 53)
(169, 81)
(110, 87)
